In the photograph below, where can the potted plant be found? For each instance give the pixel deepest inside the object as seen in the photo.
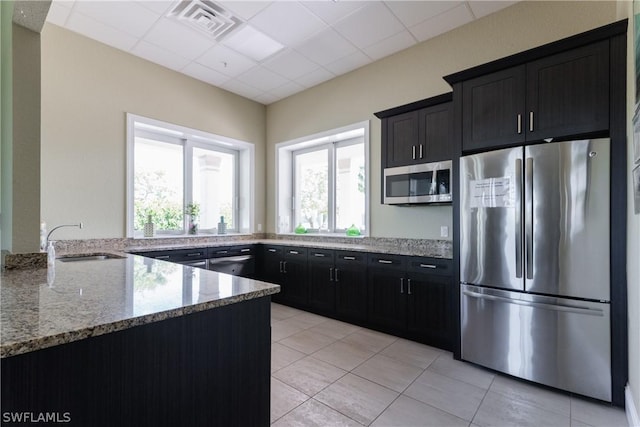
(193, 211)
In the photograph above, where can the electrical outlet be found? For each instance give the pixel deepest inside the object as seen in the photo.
(259, 227)
(444, 231)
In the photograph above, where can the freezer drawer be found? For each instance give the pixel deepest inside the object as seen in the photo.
(558, 342)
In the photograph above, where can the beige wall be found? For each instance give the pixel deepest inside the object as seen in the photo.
(625, 10)
(87, 88)
(414, 74)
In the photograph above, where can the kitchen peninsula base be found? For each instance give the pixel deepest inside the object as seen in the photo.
(206, 368)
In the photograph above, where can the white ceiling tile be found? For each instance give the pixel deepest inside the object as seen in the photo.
(288, 22)
(58, 13)
(262, 78)
(290, 64)
(252, 43)
(242, 89)
(413, 12)
(369, 25)
(99, 31)
(333, 11)
(326, 47)
(348, 63)
(226, 61)
(390, 45)
(161, 7)
(484, 8)
(160, 56)
(442, 23)
(315, 77)
(205, 74)
(286, 89)
(244, 9)
(178, 38)
(129, 17)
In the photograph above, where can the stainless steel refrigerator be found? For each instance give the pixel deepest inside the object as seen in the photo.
(534, 264)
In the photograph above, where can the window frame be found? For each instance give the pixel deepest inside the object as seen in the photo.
(286, 153)
(243, 179)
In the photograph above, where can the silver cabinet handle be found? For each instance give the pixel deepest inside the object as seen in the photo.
(385, 261)
(349, 258)
(331, 274)
(318, 255)
(519, 123)
(271, 250)
(222, 252)
(413, 152)
(163, 257)
(528, 232)
(530, 121)
(408, 286)
(280, 266)
(245, 250)
(428, 266)
(402, 285)
(518, 215)
(554, 307)
(284, 267)
(294, 252)
(336, 274)
(420, 150)
(195, 254)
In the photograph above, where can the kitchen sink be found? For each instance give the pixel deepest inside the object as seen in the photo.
(88, 257)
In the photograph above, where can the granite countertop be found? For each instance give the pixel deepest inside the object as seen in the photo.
(41, 308)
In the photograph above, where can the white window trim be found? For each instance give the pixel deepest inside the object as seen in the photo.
(284, 169)
(245, 172)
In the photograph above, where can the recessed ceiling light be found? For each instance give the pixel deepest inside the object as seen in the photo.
(252, 43)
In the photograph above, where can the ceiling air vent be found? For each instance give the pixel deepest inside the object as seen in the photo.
(206, 17)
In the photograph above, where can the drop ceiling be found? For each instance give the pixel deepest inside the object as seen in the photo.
(262, 50)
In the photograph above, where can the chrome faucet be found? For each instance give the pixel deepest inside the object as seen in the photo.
(79, 225)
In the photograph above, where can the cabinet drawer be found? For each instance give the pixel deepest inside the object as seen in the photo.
(439, 266)
(321, 255)
(387, 261)
(189, 254)
(294, 252)
(347, 257)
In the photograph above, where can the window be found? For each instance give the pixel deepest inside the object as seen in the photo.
(322, 182)
(171, 167)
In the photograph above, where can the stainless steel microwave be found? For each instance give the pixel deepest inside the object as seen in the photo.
(423, 183)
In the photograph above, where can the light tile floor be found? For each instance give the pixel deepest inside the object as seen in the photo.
(331, 373)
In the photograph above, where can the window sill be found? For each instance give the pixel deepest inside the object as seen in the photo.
(187, 236)
(330, 235)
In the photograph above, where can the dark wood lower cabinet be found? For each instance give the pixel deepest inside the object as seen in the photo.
(351, 288)
(387, 299)
(430, 308)
(321, 281)
(210, 368)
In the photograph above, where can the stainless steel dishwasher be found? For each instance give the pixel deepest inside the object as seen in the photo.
(236, 260)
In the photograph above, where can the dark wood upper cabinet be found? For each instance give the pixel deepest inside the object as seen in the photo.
(557, 96)
(568, 93)
(419, 132)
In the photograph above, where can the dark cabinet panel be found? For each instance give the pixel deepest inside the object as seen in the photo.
(351, 285)
(294, 270)
(402, 139)
(430, 308)
(270, 269)
(562, 95)
(387, 298)
(568, 93)
(436, 132)
(493, 108)
(321, 279)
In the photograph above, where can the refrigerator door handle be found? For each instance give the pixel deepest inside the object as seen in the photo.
(554, 307)
(518, 215)
(528, 233)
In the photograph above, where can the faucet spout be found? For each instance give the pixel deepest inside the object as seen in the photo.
(79, 225)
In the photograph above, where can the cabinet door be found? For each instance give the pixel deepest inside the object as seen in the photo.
(321, 275)
(387, 298)
(271, 269)
(568, 93)
(493, 109)
(401, 145)
(350, 276)
(295, 276)
(436, 133)
(430, 309)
